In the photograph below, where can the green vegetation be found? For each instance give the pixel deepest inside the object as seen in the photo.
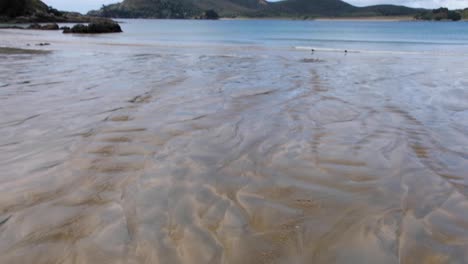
(247, 8)
(14, 8)
(210, 14)
(35, 11)
(464, 13)
(389, 10)
(439, 14)
(149, 8)
(311, 8)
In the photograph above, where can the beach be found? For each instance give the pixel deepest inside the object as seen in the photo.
(176, 142)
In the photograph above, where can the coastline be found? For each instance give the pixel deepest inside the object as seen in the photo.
(367, 19)
(353, 19)
(91, 19)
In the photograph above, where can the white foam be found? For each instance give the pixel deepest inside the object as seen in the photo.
(315, 49)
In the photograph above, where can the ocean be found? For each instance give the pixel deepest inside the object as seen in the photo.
(236, 141)
(358, 35)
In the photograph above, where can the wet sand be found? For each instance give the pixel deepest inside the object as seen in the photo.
(131, 154)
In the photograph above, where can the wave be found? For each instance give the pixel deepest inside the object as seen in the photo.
(393, 52)
(403, 42)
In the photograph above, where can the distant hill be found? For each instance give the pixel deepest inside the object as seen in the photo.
(388, 10)
(441, 14)
(178, 8)
(32, 11)
(314, 8)
(14, 8)
(247, 8)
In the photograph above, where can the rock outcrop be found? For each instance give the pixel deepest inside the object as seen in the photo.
(94, 28)
(52, 26)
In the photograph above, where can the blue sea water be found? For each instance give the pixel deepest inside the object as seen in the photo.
(410, 36)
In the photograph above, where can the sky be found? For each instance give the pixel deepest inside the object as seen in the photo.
(84, 6)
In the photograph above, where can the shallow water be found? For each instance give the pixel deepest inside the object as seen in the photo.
(118, 152)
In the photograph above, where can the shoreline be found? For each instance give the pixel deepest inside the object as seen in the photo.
(353, 19)
(13, 22)
(369, 19)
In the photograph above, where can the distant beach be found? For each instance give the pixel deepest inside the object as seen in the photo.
(373, 19)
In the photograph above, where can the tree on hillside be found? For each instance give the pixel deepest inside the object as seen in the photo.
(210, 14)
(454, 16)
(12, 8)
(465, 13)
(439, 14)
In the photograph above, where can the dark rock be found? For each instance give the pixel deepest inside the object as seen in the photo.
(36, 26)
(95, 28)
(80, 29)
(21, 51)
(106, 27)
(53, 26)
(11, 27)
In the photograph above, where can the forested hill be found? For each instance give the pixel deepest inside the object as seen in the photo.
(247, 8)
(32, 11)
(14, 8)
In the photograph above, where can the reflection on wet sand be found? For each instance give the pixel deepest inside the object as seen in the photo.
(162, 157)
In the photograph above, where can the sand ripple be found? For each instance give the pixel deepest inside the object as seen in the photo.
(187, 157)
